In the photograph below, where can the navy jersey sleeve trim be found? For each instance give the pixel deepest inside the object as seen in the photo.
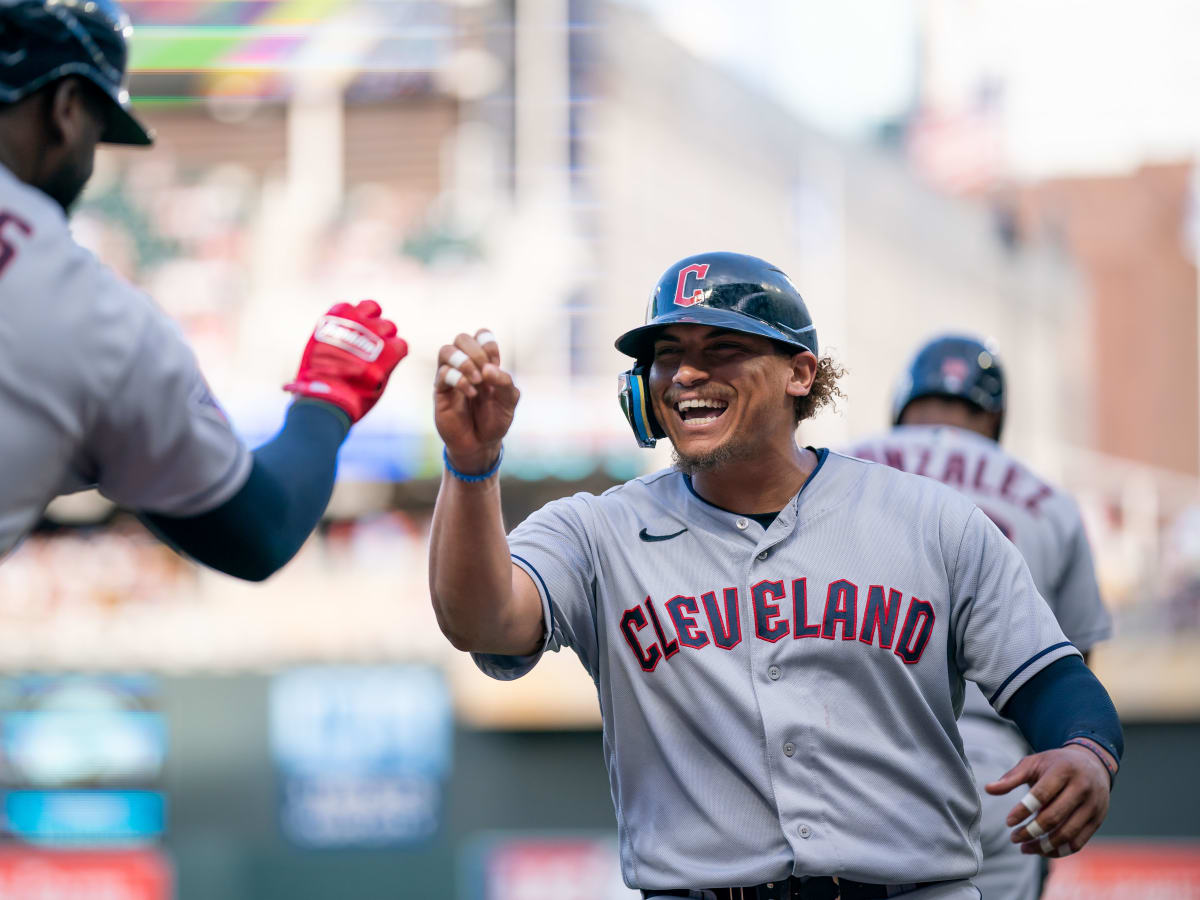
(545, 591)
(1025, 665)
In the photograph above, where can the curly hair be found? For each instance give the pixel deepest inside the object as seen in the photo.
(825, 390)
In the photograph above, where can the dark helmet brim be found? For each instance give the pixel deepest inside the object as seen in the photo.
(123, 127)
(639, 342)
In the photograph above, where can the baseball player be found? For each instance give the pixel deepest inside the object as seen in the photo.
(97, 386)
(948, 414)
(779, 635)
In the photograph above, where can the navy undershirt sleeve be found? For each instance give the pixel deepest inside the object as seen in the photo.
(1063, 701)
(254, 533)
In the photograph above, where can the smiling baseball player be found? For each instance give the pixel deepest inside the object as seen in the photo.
(948, 415)
(97, 386)
(779, 635)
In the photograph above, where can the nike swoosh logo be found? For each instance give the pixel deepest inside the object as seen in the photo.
(659, 537)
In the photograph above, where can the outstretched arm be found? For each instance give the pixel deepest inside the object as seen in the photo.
(483, 602)
(256, 531)
(342, 373)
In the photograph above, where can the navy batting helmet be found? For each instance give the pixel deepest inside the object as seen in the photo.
(724, 290)
(956, 366)
(42, 41)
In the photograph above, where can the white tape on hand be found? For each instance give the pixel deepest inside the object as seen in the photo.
(1034, 829)
(452, 377)
(457, 358)
(1046, 846)
(486, 337)
(1065, 850)
(1031, 803)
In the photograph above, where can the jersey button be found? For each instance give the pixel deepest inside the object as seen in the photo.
(742, 524)
(804, 831)
(764, 555)
(789, 748)
(773, 673)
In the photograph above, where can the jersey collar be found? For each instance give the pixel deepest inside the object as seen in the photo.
(822, 455)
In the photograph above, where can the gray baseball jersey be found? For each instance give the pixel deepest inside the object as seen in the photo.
(1041, 520)
(783, 701)
(97, 386)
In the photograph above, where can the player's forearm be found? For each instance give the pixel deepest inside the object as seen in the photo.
(1064, 701)
(470, 571)
(254, 533)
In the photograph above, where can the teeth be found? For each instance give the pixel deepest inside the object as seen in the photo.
(697, 404)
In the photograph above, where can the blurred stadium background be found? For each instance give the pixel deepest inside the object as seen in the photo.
(1022, 169)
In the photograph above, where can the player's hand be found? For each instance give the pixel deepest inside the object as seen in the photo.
(1068, 800)
(349, 358)
(473, 401)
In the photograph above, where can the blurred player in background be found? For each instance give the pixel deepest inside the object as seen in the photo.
(97, 386)
(948, 414)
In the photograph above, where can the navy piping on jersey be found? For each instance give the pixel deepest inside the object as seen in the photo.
(822, 455)
(1025, 665)
(545, 590)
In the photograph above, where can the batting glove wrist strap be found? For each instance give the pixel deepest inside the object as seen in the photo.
(349, 358)
(463, 476)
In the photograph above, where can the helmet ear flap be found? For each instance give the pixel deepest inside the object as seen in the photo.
(633, 393)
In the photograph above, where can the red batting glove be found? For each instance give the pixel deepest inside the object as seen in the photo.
(349, 358)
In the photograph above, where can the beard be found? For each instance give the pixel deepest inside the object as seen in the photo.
(66, 183)
(732, 450)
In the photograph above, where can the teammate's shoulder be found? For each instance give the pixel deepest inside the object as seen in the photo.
(1036, 492)
(865, 442)
(47, 260)
(892, 445)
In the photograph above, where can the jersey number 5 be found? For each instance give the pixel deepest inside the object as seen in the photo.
(7, 250)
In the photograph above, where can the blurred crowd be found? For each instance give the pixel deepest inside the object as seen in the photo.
(189, 235)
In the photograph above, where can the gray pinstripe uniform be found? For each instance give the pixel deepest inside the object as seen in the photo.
(97, 385)
(783, 701)
(1045, 525)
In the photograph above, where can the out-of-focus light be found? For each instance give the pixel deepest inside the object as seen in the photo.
(232, 110)
(471, 74)
(232, 100)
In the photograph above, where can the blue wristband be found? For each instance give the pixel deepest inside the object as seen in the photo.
(1087, 741)
(463, 476)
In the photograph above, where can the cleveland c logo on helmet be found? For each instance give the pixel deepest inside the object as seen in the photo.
(699, 270)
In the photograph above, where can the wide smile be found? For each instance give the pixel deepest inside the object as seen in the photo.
(696, 414)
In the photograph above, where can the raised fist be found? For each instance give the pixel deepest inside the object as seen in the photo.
(473, 401)
(349, 358)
